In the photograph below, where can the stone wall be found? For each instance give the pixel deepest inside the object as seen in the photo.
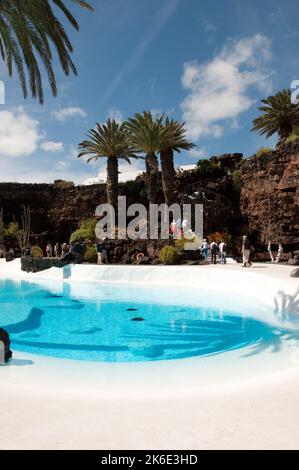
(35, 265)
(269, 204)
(57, 209)
(270, 196)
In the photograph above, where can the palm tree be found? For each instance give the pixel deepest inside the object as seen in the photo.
(145, 134)
(28, 30)
(110, 141)
(279, 115)
(174, 140)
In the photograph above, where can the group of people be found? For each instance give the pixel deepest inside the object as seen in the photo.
(221, 249)
(75, 251)
(58, 251)
(179, 227)
(214, 249)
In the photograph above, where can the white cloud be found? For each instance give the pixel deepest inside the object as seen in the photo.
(67, 113)
(126, 172)
(37, 174)
(62, 165)
(115, 113)
(50, 146)
(198, 153)
(219, 89)
(19, 133)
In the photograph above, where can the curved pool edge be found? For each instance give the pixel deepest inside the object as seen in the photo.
(44, 374)
(263, 282)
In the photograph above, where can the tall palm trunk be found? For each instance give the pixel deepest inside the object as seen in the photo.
(112, 181)
(168, 176)
(152, 176)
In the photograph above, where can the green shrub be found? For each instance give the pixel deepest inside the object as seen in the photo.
(91, 255)
(169, 255)
(180, 243)
(292, 138)
(263, 151)
(12, 229)
(207, 168)
(36, 252)
(86, 231)
(136, 189)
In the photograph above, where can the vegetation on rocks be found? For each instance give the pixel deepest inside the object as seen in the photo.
(263, 151)
(36, 252)
(208, 169)
(169, 255)
(90, 255)
(292, 138)
(85, 232)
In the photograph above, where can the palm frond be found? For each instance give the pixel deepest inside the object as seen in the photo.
(107, 140)
(28, 32)
(278, 115)
(174, 136)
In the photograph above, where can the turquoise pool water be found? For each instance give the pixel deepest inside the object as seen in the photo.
(113, 323)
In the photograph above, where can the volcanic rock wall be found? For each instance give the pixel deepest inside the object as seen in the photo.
(56, 209)
(270, 196)
(268, 208)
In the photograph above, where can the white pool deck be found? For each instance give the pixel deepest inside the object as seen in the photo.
(212, 403)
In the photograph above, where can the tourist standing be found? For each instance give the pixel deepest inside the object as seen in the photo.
(246, 247)
(173, 227)
(101, 251)
(222, 250)
(214, 251)
(205, 248)
(64, 249)
(178, 225)
(185, 226)
(56, 250)
(49, 250)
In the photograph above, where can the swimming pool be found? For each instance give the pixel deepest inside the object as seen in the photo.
(117, 323)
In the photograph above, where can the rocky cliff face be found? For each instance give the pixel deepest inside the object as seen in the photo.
(269, 199)
(56, 209)
(270, 196)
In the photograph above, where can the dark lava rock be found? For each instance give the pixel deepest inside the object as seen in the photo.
(144, 260)
(137, 319)
(270, 195)
(4, 337)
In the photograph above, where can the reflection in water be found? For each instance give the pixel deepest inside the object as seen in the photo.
(102, 329)
(32, 322)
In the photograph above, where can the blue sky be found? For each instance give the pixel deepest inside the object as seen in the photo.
(206, 62)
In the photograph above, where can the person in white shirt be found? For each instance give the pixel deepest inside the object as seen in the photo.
(222, 249)
(173, 227)
(185, 226)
